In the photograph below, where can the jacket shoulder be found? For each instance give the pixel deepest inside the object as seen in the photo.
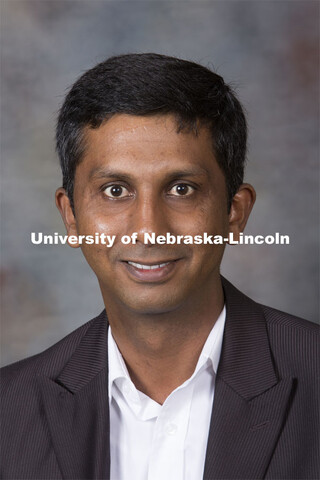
(49, 362)
(294, 343)
(287, 321)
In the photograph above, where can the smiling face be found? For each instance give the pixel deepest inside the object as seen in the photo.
(139, 175)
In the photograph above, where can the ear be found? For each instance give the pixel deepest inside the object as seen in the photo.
(64, 207)
(241, 207)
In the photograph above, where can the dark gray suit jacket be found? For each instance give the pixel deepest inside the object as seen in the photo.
(55, 420)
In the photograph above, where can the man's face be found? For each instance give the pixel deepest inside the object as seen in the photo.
(139, 175)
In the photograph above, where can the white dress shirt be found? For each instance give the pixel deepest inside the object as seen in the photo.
(149, 441)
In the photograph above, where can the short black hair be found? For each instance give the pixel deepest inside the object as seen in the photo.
(153, 84)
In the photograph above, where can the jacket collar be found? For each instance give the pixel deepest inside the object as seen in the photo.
(246, 363)
(89, 358)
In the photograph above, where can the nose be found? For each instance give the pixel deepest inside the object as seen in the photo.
(149, 216)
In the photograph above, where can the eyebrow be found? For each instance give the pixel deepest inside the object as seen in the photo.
(100, 173)
(97, 173)
(189, 172)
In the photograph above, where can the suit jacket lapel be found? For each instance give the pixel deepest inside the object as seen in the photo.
(250, 401)
(76, 407)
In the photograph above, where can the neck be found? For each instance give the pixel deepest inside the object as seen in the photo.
(161, 351)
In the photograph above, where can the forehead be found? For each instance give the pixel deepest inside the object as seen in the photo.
(142, 145)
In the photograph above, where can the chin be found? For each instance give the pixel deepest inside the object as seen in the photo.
(152, 306)
(152, 309)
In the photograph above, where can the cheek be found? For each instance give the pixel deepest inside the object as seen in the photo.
(94, 254)
(213, 221)
(206, 261)
(89, 223)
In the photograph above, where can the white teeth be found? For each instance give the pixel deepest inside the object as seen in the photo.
(147, 267)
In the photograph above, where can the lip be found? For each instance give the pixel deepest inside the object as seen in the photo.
(151, 275)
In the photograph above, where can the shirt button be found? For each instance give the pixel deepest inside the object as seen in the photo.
(171, 429)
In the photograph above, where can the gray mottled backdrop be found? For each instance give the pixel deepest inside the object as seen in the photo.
(267, 49)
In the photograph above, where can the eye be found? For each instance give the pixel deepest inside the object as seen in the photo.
(116, 191)
(181, 190)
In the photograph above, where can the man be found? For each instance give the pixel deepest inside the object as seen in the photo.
(183, 376)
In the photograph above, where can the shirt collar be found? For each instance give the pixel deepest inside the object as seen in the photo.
(210, 355)
(211, 350)
(117, 366)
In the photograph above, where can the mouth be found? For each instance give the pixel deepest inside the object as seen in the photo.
(151, 272)
(142, 266)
